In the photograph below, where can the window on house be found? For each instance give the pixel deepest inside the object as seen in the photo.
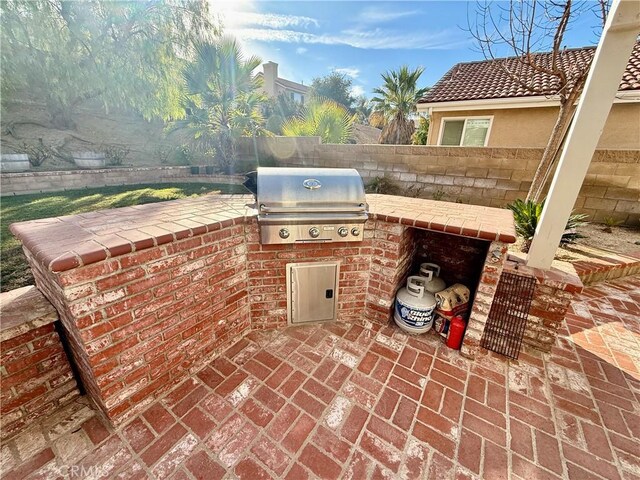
(466, 132)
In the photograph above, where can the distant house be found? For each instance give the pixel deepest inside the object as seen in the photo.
(478, 104)
(274, 85)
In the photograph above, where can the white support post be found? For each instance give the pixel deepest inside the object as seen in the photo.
(609, 63)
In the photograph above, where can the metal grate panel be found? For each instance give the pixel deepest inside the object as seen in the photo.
(508, 316)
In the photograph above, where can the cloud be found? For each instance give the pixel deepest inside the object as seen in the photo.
(301, 50)
(348, 71)
(376, 39)
(273, 20)
(380, 15)
(357, 90)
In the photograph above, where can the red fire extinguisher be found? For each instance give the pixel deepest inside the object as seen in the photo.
(456, 332)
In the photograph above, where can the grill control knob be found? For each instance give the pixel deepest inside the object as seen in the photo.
(355, 231)
(343, 231)
(314, 232)
(284, 233)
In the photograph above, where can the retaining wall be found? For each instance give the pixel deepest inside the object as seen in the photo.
(37, 182)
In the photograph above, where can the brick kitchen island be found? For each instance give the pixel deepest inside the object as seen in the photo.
(152, 293)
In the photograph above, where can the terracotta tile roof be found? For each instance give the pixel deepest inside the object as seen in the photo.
(486, 79)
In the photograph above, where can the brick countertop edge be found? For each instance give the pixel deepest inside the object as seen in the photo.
(65, 243)
(486, 223)
(22, 310)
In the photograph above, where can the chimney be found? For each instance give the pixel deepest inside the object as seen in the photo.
(270, 75)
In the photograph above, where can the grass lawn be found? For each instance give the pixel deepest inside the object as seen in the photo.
(14, 270)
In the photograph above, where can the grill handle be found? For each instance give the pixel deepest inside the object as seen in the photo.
(360, 208)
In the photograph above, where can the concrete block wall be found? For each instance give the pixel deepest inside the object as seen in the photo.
(472, 175)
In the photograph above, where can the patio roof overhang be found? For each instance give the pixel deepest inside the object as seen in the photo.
(618, 38)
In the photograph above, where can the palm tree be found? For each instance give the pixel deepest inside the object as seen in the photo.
(396, 100)
(223, 101)
(377, 120)
(363, 109)
(322, 118)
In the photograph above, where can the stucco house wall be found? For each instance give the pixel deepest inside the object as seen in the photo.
(531, 127)
(272, 85)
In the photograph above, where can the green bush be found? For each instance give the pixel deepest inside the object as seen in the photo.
(182, 155)
(382, 185)
(527, 215)
(421, 133)
(609, 223)
(322, 118)
(115, 155)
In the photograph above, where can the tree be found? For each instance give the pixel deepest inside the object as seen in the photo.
(422, 132)
(279, 109)
(362, 109)
(396, 100)
(377, 120)
(322, 118)
(125, 54)
(522, 29)
(223, 100)
(335, 86)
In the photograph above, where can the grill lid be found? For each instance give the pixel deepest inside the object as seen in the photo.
(310, 190)
(309, 204)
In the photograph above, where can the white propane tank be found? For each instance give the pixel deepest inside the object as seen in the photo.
(431, 272)
(415, 306)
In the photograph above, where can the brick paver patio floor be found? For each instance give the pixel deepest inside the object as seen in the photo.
(341, 401)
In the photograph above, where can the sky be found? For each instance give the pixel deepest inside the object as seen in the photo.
(362, 39)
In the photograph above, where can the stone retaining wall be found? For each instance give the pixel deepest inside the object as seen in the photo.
(37, 182)
(36, 376)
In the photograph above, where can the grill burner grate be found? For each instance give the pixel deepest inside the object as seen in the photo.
(508, 316)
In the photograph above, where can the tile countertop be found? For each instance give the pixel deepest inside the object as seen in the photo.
(64, 243)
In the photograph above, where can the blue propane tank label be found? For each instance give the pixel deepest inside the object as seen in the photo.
(413, 317)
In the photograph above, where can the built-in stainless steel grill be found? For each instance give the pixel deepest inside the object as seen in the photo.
(310, 205)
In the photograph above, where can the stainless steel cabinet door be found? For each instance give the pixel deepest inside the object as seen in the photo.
(312, 291)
